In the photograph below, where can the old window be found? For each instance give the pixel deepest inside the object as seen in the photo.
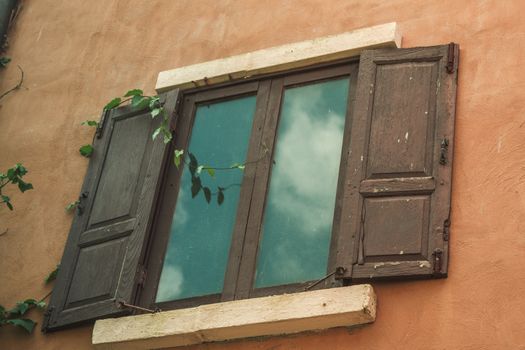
(289, 130)
(348, 171)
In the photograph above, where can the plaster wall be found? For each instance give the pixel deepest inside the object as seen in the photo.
(77, 55)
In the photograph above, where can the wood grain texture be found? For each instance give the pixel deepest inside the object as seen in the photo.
(399, 193)
(106, 239)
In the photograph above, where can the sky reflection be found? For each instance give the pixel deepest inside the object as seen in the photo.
(300, 205)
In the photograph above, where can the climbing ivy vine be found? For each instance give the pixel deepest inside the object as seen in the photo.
(138, 100)
(17, 315)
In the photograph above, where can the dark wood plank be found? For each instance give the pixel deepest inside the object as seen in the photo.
(319, 74)
(395, 186)
(248, 182)
(339, 222)
(393, 270)
(251, 241)
(106, 233)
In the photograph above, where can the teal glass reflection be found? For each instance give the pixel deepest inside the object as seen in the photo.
(300, 204)
(200, 237)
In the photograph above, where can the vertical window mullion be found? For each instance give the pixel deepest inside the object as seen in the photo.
(253, 227)
(254, 157)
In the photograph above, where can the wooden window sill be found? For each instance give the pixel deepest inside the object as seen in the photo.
(273, 315)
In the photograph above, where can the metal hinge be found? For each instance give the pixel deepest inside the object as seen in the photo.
(451, 57)
(438, 260)
(140, 277)
(444, 150)
(101, 123)
(47, 318)
(446, 229)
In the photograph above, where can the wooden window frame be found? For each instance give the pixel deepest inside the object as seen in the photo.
(242, 260)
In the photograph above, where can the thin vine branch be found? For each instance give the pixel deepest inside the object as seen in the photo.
(18, 86)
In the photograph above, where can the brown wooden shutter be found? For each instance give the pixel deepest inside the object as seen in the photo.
(104, 247)
(395, 215)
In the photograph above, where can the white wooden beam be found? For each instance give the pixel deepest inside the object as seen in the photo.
(281, 58)
(274, 315)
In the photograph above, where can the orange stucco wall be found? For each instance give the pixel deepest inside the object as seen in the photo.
(78, 54)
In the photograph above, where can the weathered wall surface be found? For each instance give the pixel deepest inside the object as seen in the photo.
(78, 54)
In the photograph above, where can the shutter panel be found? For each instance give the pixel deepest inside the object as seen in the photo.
(102, 252)
(397, 194)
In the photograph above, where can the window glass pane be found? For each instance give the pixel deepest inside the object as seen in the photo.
(200, 236)
(300, 204)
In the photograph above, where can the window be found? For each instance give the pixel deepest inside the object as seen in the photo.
(289, 130)
(348, 171)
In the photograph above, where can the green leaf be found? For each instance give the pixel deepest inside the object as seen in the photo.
(41, 305)
(156, 132)
(52, 275)
(22, 307)
(113, 103)
(4, 61)
(154, 102)
(20, 169)
(140, 102)
(238, 166)
(89, 123)
(155, 112)
(11, 173)
(86, 150)
(199, 170)
(167, 135)
(72, 205)
(220, 196)
(7, 202)
(2, 314)
(24, 323)
(195, 186)
(207, 194)
(193, 164)
(177, 157)
(134, 92)
(24, 186)
(210, 171)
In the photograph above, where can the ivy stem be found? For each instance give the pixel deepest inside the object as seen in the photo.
(46, 296)
(17, 85)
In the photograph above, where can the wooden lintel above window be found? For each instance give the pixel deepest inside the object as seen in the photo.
(280, 58)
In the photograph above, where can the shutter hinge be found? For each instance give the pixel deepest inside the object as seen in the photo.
(80, 205)
(47, 317)
(451, 57)
(140, 277)
(446, 230)
(444, 150)
(438, 260)
(101, 123)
